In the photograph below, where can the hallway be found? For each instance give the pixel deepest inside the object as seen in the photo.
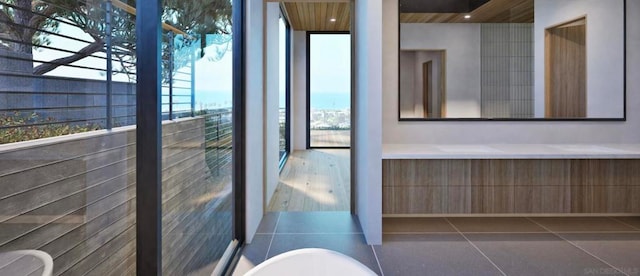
(313, 180)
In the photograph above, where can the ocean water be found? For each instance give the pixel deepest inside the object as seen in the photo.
(318, 100)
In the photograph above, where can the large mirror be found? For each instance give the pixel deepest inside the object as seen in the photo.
(512, 59)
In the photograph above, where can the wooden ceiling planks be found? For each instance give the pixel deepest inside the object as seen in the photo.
(494, 11)
(316, 16)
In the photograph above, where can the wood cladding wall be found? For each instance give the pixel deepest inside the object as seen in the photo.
(75, 199)
(519, 186)
(196, 197)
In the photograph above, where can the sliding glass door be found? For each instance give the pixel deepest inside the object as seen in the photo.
(329, 90)
(197, 144)
(189, 188)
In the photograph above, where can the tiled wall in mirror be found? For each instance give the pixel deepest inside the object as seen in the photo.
(511, 59)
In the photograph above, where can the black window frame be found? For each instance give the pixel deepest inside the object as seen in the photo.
(586, 120)
(287, 122)
(308, 80)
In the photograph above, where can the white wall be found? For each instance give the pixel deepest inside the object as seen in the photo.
(299, 91)
(254, 140)
(462, 45)
(367, 114)
(605, 54)
(507, 132)
(271, 110)
(407, 84)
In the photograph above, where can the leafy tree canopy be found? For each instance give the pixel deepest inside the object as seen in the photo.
(28, 24)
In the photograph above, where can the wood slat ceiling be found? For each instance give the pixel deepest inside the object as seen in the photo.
(315, 16)
(495, 11)
(306, 16)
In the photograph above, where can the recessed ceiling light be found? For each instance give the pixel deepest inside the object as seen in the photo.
(467, 16)
(332, 20)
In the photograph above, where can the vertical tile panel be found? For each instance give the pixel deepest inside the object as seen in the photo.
(507, 70)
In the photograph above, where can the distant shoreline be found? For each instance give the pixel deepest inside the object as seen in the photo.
(319, 101)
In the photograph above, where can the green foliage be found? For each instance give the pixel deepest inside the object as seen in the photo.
(199, 16)
(17, 127)
(205, 23)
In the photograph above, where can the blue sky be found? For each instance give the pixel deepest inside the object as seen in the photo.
(330, 65)
(330, 61)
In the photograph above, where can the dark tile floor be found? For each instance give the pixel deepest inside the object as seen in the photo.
(460, 246)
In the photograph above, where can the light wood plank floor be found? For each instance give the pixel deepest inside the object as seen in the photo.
(314, 180)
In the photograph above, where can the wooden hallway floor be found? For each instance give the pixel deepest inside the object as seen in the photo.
(314, 180)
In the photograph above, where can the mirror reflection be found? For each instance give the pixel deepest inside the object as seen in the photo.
(511, 59)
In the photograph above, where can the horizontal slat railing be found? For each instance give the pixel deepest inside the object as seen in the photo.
(95, 91)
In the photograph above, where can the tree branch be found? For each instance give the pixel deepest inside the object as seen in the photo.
(37, 20)
(94, 47)
(6, 18)
(40, 17)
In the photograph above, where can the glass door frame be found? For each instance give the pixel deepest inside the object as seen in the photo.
(308, 75)
(149, 137)
(287, 123)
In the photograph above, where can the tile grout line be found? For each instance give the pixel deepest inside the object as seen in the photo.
(377, 260)
(577, 246)
(597, 232)
(617, 220)
(273, 235)
(518, 232)
(474, 246)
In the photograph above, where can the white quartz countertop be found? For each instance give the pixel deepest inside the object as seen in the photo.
(511, 151)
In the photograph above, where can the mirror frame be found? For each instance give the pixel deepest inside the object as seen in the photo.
(624, 85)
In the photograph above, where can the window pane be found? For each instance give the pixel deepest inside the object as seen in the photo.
(197, 63)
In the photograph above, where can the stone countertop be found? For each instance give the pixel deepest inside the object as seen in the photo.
(511, 151)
